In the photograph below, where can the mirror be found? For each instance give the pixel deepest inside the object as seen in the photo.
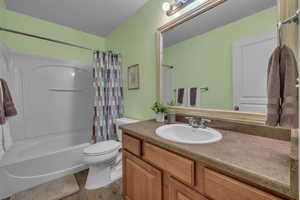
(218, 59)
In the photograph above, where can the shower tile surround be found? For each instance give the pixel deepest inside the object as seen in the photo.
(281, 181)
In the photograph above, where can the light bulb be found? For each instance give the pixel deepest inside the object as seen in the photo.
(166, 6)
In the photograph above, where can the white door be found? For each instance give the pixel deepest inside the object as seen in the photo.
(250, 64)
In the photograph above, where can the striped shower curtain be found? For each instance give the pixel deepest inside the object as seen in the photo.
(108, 106)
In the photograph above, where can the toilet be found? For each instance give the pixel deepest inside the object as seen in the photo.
(120, 122)
(105, 159)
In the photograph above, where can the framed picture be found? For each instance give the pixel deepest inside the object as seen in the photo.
(134, 77)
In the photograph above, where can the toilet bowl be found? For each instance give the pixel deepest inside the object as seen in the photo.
(105, 159)
(101, 158)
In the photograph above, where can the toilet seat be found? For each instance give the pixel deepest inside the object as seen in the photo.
(102, 148)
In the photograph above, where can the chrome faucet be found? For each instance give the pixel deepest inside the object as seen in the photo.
(198, 123)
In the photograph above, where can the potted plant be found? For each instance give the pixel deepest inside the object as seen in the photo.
(160, 110)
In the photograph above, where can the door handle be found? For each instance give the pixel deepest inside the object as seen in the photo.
(236, 108)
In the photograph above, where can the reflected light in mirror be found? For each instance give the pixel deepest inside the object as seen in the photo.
(166, 6)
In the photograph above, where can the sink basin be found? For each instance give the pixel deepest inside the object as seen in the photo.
(185, 134)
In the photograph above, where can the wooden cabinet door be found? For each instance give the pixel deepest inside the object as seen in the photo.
(178, 191)
(140, 181)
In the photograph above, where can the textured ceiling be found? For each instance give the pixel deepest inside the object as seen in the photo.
(97, 17)
(226, 13)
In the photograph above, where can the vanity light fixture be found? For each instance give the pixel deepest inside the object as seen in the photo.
(171, 9)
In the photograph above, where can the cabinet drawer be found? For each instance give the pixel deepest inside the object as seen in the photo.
(178, 166)
(132, 145)
(220, 187)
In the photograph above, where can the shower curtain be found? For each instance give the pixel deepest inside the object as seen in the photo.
(108, 106)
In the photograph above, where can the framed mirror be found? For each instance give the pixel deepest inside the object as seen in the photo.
(213, 61)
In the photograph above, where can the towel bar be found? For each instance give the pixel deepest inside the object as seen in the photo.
(61, 90)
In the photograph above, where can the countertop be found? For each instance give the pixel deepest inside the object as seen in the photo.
(259, 160)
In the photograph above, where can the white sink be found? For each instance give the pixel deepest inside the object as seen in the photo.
(185, 134)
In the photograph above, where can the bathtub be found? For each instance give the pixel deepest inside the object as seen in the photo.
(35, 161)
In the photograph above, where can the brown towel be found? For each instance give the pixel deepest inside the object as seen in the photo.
(282, 105)
(288, 76)
(273, 85)
(7, 107)
(193, 96)
(180, 95)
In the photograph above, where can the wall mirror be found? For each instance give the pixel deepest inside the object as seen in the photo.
(216, 58)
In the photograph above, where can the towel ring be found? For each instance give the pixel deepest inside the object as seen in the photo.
(290, 20)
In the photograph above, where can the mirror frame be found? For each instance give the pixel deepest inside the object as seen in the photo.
(227, 115)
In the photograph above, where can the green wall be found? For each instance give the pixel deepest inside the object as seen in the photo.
(135, 40)
(207, 59)
(28, 24)
(2, 8)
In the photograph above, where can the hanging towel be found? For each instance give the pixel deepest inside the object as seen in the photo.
(180, 95)
(193, 97)
(282, 108)
(273, 89)
(289, 75)
(7, 109)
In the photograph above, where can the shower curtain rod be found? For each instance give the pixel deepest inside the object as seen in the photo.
(47, 39)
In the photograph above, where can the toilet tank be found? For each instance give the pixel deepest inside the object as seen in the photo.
(120, 122)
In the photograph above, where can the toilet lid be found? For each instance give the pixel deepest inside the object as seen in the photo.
(102, 148)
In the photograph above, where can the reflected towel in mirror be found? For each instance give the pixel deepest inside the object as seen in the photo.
(193, 97)
(181, 97)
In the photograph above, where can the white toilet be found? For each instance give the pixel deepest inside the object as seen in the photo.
(120, 122)
(105, 160)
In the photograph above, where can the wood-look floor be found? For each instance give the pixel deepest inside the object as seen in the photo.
(112, 192)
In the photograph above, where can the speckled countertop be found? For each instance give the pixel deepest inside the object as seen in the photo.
(262, 161)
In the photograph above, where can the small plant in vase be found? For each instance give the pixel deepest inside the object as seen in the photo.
(160, 110)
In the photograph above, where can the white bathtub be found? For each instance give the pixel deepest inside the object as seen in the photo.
(35, 161)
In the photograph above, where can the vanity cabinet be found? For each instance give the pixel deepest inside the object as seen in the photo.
(153, 173)
(144, 181)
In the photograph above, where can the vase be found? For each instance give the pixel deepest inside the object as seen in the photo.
(160, 117)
